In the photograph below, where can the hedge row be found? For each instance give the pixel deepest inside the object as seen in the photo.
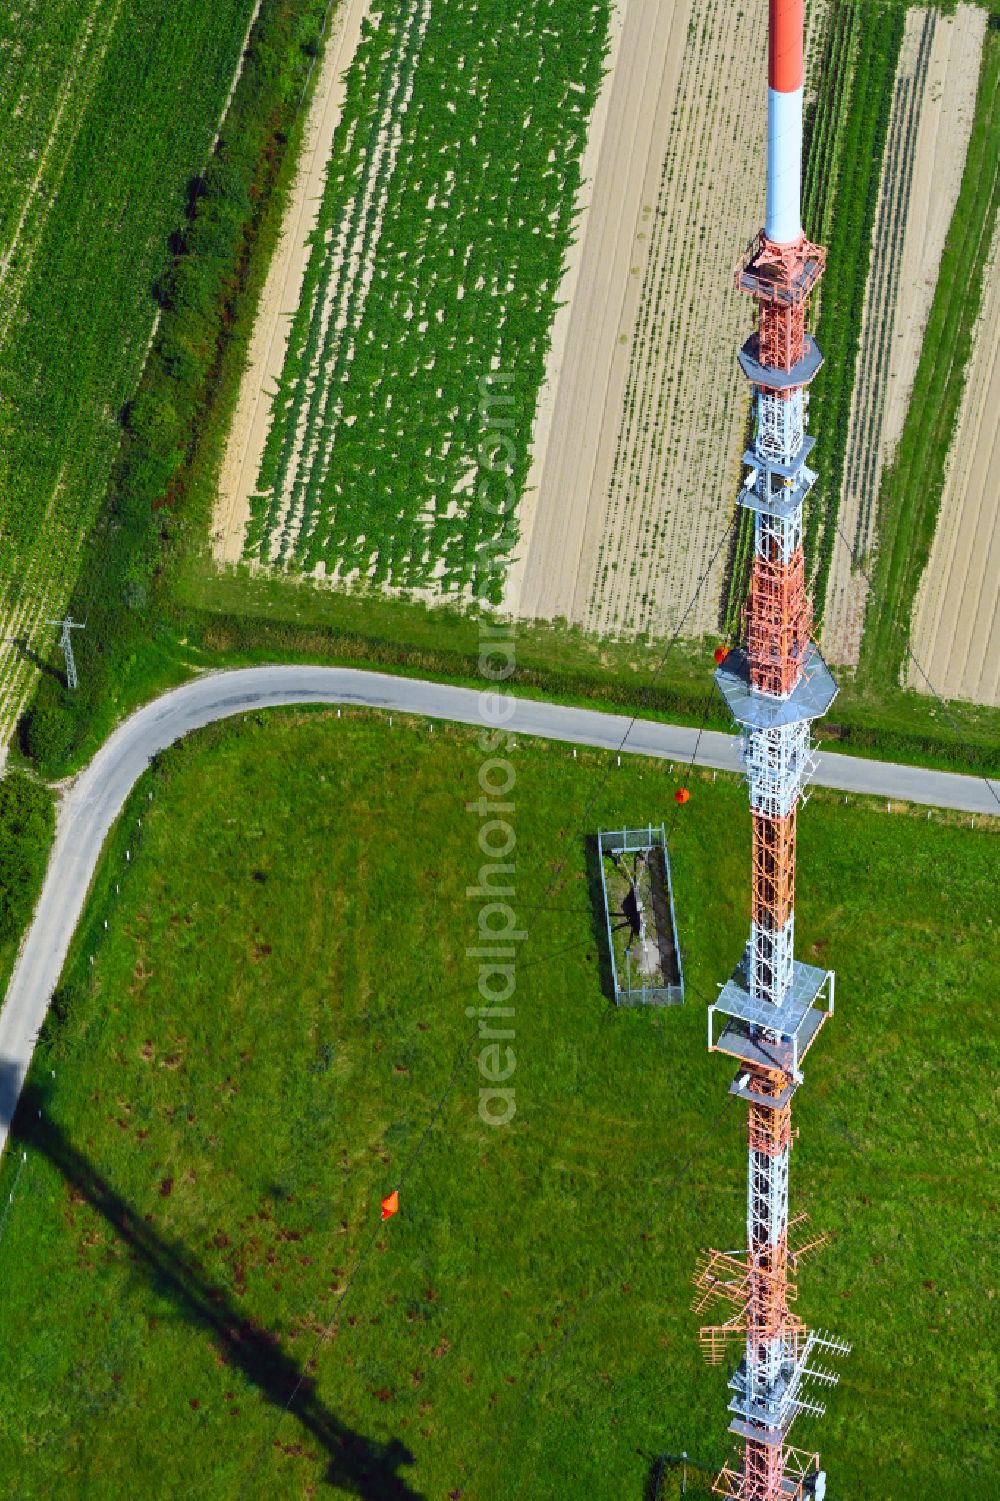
(27, 821)
(123, 582)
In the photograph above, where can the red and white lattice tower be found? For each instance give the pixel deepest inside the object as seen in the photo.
(773, 1006)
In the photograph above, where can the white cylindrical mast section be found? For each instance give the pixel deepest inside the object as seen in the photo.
(784, 121)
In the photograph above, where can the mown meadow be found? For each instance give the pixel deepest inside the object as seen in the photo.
(267, 1028)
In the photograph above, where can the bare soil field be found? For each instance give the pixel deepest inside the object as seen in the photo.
(651, 512)
(282, 289)
(632, 502)
(933, 107)
(580, 405)
(956, 619)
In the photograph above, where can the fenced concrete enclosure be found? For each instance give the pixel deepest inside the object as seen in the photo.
(639, 916)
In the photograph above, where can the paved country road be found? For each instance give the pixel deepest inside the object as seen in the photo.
(95, 798)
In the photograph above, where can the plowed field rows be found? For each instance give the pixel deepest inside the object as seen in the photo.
(932, 112)
(283, 286)
(562, 512)
(956, 619)
(682, 430)
(683, 424)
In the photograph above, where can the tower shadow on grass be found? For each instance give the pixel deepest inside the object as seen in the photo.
(360, 1466)
(674, 1475)
(651, 1489)
(27, 653)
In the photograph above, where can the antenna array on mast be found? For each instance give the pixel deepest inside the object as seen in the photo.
(775, 685)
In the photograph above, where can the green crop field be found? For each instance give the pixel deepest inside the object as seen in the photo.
(912, 487)
(271, 1019)
(109, 112)
(446, 216)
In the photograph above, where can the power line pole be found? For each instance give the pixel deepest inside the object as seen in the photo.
(66, 642)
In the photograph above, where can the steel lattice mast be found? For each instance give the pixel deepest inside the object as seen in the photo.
(773, 1006)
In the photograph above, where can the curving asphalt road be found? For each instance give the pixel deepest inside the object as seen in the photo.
(95, 798)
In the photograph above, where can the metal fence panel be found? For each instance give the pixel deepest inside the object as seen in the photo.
(631, 842)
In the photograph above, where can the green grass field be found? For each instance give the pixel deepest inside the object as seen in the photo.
(251, 1061)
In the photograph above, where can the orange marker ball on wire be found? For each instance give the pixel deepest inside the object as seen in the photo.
(682, 795)
(390, 1204)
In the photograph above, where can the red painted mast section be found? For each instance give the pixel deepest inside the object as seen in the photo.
(774, 1006)
(786, 45)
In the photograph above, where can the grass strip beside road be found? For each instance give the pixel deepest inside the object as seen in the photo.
(237, 620)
